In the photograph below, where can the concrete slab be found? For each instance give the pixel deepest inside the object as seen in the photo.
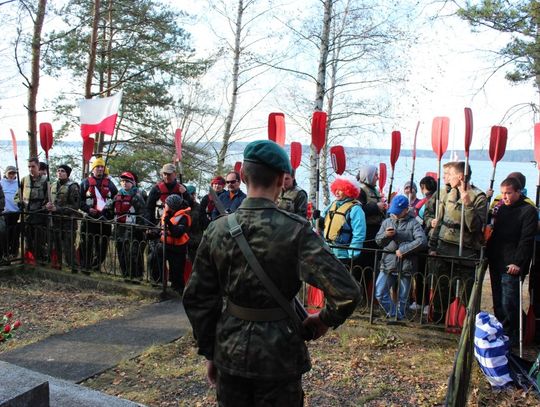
(61, 393)
(85, 352)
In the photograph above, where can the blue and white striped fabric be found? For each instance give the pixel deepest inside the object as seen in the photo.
(490, 350)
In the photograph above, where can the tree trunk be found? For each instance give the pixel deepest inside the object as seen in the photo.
(319, 95)
(33, 86)
(91, 62)
(232, 107)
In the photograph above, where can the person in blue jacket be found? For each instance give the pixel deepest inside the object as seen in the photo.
(345, 221)
(400, 236)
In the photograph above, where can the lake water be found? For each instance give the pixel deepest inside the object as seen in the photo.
(481, 170)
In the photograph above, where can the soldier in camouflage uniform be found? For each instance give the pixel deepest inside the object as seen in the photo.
(64, 206)
(444, 239)
(34, 189)
(292, 198)
(257, 360)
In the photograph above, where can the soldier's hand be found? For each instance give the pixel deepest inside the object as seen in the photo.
(211, 373)
(314, 324)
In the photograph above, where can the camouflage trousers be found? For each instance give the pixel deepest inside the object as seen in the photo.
(242, 392)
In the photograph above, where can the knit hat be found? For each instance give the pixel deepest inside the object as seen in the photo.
(366, 174)
(191, 189)
(43, 166)
(97, 162)
(346, 184)
(218, 180)
(174, 202)
(398, 204)
(10, 168)
(408, 184)
(66, 168)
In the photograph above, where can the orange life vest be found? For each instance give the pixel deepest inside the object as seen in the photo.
(175, 219)
(122, 205)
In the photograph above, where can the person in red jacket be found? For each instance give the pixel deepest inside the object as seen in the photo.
(175, 223)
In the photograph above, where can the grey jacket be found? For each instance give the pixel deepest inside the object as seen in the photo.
(409, 238)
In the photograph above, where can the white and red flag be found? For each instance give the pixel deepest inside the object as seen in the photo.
(99, 115)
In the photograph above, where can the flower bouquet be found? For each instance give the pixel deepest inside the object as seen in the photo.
(8, 327)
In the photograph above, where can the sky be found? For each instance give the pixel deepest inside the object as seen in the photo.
(448, 68)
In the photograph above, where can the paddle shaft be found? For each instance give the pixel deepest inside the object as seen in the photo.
(462, 222)
(437, 202)
(390, 187)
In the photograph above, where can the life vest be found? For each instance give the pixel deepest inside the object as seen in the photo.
(33, 193)
(60, 192)
(372, 195)
(122, 208)
(104, 190)
(287, 198)
(175, 219)
(165, 192)
(336, 226)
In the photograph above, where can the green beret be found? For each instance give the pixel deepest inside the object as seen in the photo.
(268, 153)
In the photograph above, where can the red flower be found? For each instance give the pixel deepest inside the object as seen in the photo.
(17, 324)
(7, 328)
(9, 315)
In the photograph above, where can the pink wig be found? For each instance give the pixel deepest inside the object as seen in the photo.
(347, 184)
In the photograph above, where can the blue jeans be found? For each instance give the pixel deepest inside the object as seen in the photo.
(510, 306)
(382, 292)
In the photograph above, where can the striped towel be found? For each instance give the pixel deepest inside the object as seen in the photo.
(490, 349)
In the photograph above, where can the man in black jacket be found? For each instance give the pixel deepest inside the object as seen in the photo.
(509, 252)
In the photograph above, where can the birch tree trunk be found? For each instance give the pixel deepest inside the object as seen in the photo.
(234, 90)
(319, 95)
(33, 86)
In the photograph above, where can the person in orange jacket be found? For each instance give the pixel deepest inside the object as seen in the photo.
(175, 223)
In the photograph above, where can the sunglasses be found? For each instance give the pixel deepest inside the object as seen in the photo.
(232, 182)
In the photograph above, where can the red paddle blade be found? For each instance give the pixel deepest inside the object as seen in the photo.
(315, 299)
(432, 175)
(276, 128)
(46, 136)
(497, 143)
(178, 144)
(382, 176)
(13, 142)
(318, 130)
(238, 166)
(396, 148)
(439, 135)
(296, 154)
(536, 144)
(468, 130)
(88, 148)
(337, 154)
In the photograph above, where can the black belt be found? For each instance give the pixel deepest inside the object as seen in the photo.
(451, 225)
(256, 314)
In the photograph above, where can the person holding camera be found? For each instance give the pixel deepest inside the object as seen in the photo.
(255, 350)
(401, 235)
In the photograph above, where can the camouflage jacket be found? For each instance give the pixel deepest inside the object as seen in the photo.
(66, 197)
(448, 228)
(289, 252)
(293, 200)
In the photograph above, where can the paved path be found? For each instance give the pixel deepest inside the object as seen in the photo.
(85, 352)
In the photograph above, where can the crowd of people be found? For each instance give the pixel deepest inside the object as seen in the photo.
(72, 223)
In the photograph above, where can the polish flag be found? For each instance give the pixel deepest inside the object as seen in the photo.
(99, 115)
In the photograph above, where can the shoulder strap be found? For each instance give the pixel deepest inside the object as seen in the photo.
(236, 232)
(218, 203)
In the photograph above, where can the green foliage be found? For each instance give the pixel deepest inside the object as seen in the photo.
(519, 18)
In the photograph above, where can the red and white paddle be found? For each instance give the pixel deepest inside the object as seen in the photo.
(296, 154)
(394, 155)
(339, 162)
(318, 139)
